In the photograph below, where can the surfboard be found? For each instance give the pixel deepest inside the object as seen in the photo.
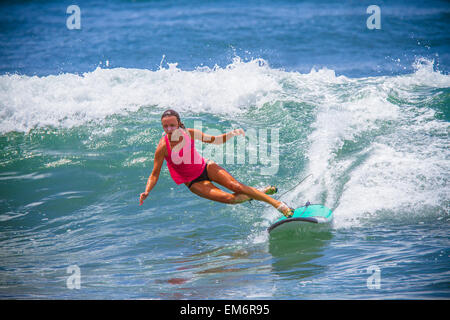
(308, 214)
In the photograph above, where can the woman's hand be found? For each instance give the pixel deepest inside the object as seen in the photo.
(237, 132)
(144, 196)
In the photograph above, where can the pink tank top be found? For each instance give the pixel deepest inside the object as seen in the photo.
(186, 164)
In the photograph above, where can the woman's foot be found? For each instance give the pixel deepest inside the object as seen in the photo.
(270, 190)
(285, 210)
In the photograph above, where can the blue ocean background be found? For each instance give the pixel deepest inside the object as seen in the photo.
(364, 113)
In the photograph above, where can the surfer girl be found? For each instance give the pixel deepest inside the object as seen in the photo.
(187, 166)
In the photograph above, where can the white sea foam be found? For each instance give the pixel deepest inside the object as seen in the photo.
(405, 162)
(69, 100)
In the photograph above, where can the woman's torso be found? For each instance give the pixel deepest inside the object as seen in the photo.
(186, 164)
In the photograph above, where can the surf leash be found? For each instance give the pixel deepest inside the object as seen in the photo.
(250, 201)
(296, 185)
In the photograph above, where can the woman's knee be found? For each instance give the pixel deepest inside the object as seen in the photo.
(237, 187)
(229, 199)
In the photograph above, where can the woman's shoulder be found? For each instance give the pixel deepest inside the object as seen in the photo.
(162, 144)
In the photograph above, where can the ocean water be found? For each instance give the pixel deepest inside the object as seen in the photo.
(364, 113)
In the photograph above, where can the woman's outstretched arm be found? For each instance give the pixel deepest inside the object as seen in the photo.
(220, 139)
(154, 176)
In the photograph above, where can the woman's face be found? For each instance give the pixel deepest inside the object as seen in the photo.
(169, 124)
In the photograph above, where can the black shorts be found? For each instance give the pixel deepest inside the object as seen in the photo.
(203, 176)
